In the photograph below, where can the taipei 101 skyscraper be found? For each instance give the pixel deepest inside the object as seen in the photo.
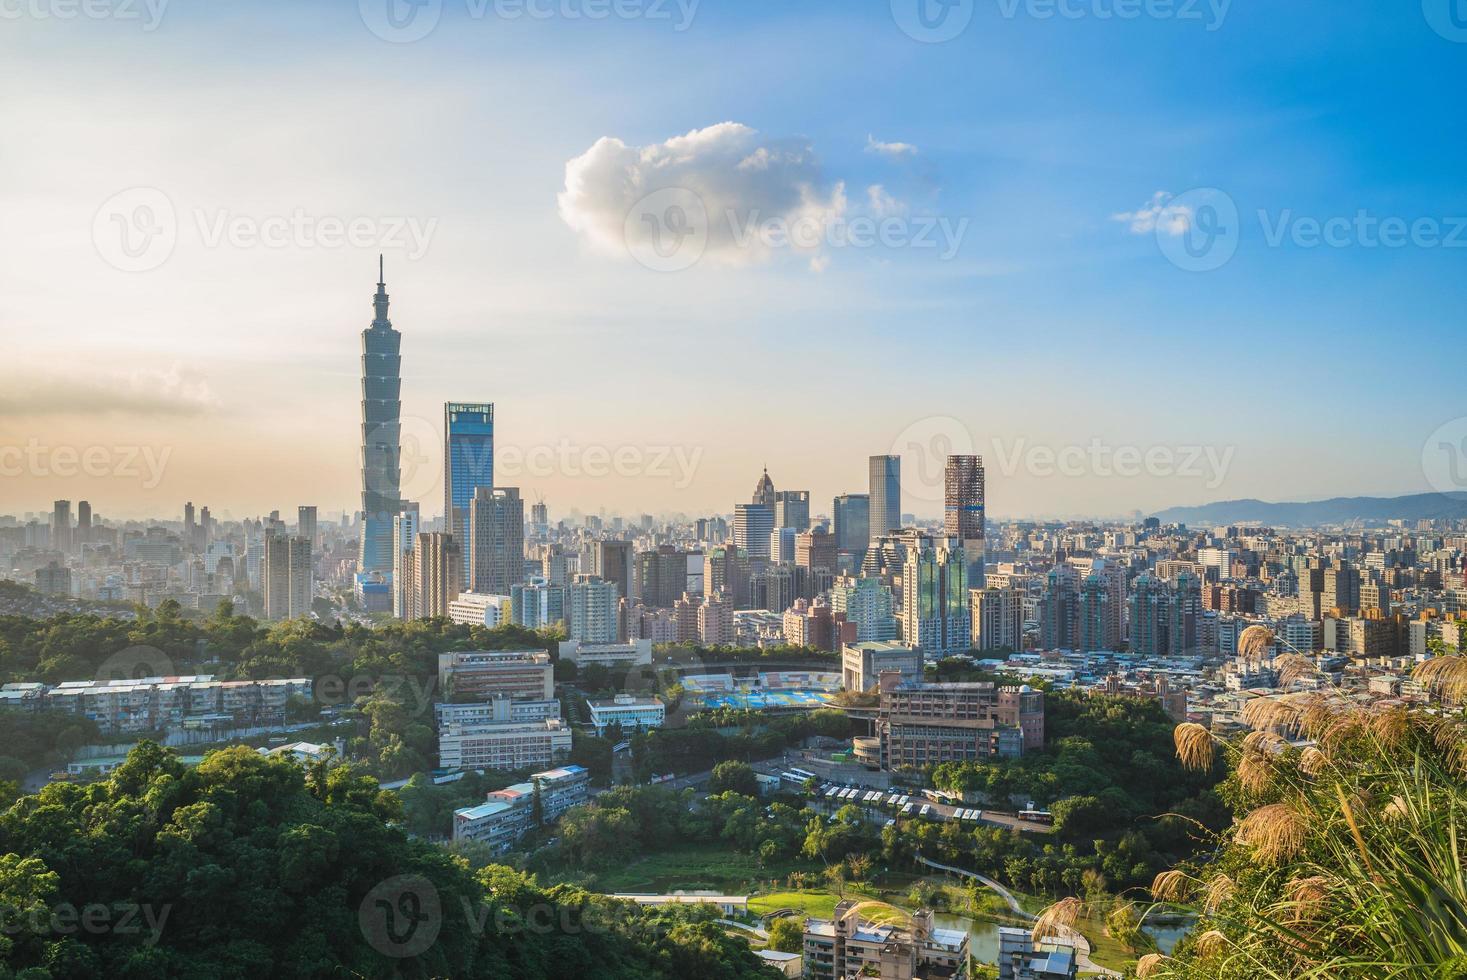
(381, 434)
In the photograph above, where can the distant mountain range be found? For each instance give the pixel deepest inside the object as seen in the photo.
(1337, 510)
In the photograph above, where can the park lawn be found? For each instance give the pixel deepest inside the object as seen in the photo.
(820, 904)
(694, 867)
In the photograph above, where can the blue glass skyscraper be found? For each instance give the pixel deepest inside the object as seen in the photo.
(468, 463)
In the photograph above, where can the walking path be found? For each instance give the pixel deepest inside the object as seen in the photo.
(1082, 945)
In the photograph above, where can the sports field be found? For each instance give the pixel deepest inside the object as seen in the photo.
(756, 700)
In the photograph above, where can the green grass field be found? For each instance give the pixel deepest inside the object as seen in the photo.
(696, 867)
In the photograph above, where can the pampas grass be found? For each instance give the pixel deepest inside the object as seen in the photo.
(1194, 746)
(1275, 832)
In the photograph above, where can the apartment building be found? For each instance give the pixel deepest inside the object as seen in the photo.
(850, 946)
(177, 703)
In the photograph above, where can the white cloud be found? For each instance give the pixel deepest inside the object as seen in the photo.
(1158, 214)
(741, 182)
(874, 145)
(177, 393)
(882, 204)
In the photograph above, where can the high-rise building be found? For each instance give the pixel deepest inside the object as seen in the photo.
(662, 576)
(792, 509)
(537, 604)
(726, 573)
(435, 575)
(1059, 610)
(869, 604)
(405, 528)
(612, 561)
(764, 494)
(496, 540)
(83, 523)
(715, 622)
(305, 524)
(275, 575)
(998, 619)
(886, 495)
(189, 526)
(61, 526)
(468, 464)
(1095, 614)
(381, 435)
(753, 525)
(302, 577)
(851, 513)
(963, 502)
(591, 606)
(1151, 617)
(935, 602)
(815, 549)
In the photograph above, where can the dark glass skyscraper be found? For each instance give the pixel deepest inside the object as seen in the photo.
(468, 464)
(381, 434)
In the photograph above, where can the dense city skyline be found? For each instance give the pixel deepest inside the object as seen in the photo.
(1057, 320)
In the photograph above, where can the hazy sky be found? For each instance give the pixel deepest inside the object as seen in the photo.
(192, 215)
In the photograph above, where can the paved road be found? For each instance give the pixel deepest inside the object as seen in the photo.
(1082, 945)
(756, 930)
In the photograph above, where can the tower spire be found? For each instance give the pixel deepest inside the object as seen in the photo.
(379, 302)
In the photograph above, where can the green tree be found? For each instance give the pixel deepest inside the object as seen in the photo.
(786, 935)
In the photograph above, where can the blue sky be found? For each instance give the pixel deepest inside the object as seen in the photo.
(1316, 371)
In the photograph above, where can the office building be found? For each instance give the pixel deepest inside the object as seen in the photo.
(508, 814)
(305, 525)
(963, 517)
(381, 435)
(662, 576)
(496, 540)
(482, 675)
(885, 496)
(815, 549)
(925, 724)
(753, 525)
(851, 518)
(537, 604)
(862, 664)
(613, 561)
(633, 653)
(935, 604)
(504, 744)
(61, 526)
(83, 524)
(476, 609)
(468, 465)
(630, 712)
(726, 573)
(792, 509)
